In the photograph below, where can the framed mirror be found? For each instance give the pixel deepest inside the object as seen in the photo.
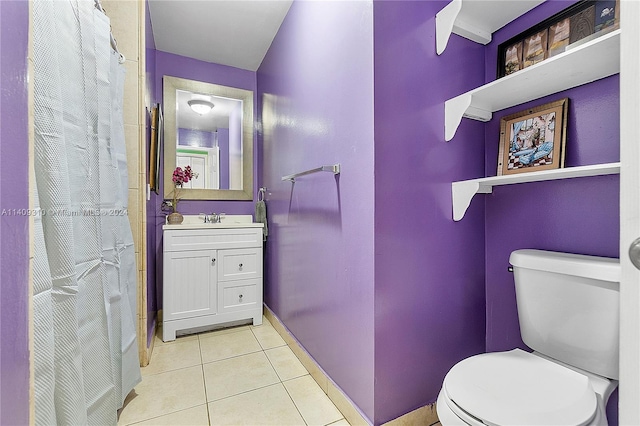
(210, 128)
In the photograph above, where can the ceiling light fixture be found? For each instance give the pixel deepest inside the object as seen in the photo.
(200, 106)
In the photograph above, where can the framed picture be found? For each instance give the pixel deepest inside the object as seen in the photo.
(155, 147)
(607, 15)
(513, 58)
(533, 139)
(559, 36)
(535, 48)
(583, 24)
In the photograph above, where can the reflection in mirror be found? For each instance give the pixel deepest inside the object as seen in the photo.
(210, 128)
(210, 140)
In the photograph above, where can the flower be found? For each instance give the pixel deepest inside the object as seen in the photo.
(180, 177)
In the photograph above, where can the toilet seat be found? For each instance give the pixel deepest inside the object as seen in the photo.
(516, 387)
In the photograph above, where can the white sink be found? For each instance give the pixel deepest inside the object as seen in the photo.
(226, 221)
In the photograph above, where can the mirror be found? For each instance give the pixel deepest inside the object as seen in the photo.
(217, 141)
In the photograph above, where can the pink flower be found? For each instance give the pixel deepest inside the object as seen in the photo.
(180, 177)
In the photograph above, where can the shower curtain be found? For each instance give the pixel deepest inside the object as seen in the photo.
(84, 272)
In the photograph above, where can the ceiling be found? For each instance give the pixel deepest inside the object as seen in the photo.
(236, 33)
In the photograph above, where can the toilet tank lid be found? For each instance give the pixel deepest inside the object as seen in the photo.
(580, 265)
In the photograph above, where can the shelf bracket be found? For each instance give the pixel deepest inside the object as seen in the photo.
(453, 111)
(476, 20)
(462, 193)
(445, 20)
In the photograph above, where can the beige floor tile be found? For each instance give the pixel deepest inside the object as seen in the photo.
(217, 347)
(158, 342)
(221, 331)
(341, 422)
(173, 357)
(165, 393)
(266, 406)
(314, 405)
(311, 366)
(196, 416)
(265, 321)
(286, 363)
(236, 375)
(268, 337)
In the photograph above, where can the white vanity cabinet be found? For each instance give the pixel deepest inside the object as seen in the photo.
(212, 275)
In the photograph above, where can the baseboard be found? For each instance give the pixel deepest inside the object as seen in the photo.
(425, 415)
(348, 409)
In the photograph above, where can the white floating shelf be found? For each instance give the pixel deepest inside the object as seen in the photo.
(591, 61)
(477, 20)
(463, 191)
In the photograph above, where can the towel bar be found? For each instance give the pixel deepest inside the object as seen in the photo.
(335, 169)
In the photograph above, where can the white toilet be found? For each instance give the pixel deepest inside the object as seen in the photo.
(568, 308)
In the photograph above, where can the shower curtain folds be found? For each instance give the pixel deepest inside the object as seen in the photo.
(85, 348)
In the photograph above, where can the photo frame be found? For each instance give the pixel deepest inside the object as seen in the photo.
(559, 36)
(155, 147)
(535, 48)
(533, 139)
(513, 58)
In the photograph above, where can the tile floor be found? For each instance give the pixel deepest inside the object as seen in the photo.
(237, 376)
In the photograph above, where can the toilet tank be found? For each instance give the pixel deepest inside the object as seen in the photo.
(568, 307)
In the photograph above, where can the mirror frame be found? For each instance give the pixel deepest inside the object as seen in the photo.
(170, 87)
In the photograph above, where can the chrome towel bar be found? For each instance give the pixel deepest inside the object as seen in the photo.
(335, 169)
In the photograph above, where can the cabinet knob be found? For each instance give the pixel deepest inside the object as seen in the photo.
(240, 266)
(213, 262)
(240, 297)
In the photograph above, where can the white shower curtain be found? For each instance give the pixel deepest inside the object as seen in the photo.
(84, 273)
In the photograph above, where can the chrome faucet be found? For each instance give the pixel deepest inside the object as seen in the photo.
(212, 218)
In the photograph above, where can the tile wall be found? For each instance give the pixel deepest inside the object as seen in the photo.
(127, 26)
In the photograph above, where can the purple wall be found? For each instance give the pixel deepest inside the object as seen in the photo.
(575, 215)
(193, 69)
(14, 229)
(195, 138)
(316, 101)
(429, 270)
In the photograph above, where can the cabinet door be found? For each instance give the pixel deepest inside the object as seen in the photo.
(189, 284)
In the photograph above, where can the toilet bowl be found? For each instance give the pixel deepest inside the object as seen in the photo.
(567, 308)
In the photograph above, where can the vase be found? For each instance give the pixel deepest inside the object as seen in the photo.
(175, 218)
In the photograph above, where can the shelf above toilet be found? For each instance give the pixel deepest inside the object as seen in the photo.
(462, 192)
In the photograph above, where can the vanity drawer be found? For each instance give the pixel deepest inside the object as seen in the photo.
(239, 264)
(240, 295)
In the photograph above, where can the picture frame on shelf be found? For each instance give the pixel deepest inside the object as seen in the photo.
(513, 58)
(583, 24)
(607, 15)
(559, 36)
(535, 48)
(533, 139)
